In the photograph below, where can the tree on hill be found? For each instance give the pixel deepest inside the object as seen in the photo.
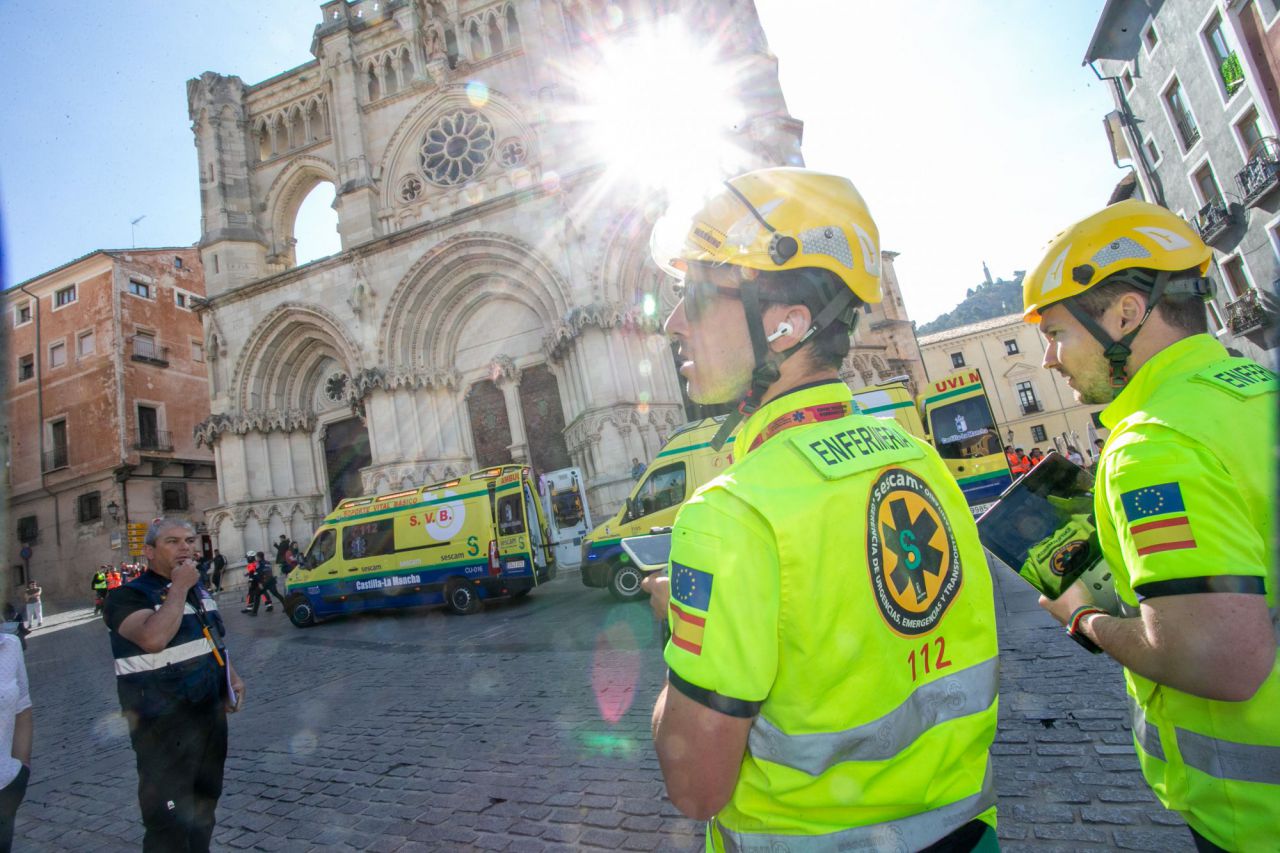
(987, 301)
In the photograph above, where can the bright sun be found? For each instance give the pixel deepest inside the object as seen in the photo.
(659, 110)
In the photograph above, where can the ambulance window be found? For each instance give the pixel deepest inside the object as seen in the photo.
(510, 515)
(963, 429)
(321, 549)
(369, 539)
(661, 489)
(535, 529)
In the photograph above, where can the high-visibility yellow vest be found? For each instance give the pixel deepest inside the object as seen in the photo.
(1185, 501)
(831, 584)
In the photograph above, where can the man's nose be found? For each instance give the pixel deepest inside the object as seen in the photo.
(1050, 357)
(677, 321)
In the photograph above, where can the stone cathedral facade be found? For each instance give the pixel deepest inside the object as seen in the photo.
(487, 304)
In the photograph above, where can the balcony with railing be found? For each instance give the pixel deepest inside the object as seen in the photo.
(1187, 130)
(1247, 314)
(1215, 219)
(146, 350)
(1261, 174)
(153, 439)
(1030, 407)
(55, 459)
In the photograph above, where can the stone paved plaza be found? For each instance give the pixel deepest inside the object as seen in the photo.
(524, 727)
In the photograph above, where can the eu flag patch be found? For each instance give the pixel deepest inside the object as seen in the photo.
(691, 587)
(1142, 503)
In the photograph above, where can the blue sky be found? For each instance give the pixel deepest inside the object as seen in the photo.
(969, 126)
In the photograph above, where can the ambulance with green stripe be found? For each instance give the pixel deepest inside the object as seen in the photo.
(456, 543)
(954, 415)
(685, 462)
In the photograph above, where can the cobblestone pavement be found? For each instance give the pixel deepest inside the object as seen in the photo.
(524, 727)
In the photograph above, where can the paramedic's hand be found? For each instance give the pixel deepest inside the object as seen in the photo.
(658, 585)
(1076, 595)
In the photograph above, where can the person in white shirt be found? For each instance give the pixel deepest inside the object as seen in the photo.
(15, 735)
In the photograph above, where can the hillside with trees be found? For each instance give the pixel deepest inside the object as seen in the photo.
(987, 301)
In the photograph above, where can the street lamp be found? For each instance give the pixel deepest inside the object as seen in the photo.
(113, 510)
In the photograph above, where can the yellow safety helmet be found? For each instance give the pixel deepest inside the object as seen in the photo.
(1122, 236)
(779, 219)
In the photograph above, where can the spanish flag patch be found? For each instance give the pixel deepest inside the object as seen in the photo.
(686, 629)
(1158, 520)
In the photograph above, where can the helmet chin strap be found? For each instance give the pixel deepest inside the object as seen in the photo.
(1117, 352)
(767, 363)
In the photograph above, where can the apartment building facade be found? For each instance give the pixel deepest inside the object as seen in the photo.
(1195, 84)
(1033, 407)
(108, 382)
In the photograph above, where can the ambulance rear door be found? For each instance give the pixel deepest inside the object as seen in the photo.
(515, 550)
(568, 517)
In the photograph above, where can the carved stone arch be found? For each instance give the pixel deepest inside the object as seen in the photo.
(626, 266)
(401, 152)
(287, 342)
(422, 318)
(286, 194)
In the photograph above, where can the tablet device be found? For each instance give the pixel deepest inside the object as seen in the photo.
(1043, 525)
(651, 552)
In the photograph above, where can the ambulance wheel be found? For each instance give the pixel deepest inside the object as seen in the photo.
(461, 597)
(624, 582)
(300, 612)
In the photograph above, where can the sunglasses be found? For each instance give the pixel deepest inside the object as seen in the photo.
(698, 296)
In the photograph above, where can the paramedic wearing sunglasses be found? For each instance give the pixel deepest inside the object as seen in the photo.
(1185, 503)
(833, 673)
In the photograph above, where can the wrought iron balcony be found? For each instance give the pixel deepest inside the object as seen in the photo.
(1262, 173)
(1247, 314)
(146, 350)
(55, 459)
(1031, 408)
(1187, 130)
(1232, 73)
(153, 439)
(1214, 219)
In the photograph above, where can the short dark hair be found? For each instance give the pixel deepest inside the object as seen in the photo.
(1184, 313)
(813, 288)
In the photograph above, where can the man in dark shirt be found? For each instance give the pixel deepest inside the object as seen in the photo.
(176, 685)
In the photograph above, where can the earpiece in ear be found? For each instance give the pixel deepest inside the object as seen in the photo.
(784, 328)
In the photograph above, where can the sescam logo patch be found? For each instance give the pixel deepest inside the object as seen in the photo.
(911, 553)
(1065, 556)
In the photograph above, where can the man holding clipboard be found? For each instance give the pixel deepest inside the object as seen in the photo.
(1184, 503)
(176, 685)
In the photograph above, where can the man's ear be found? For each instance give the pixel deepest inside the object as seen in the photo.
(1129, 310)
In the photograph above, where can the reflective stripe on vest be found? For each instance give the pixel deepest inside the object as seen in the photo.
(159, 660)
(969, 691)
(1221, 759)
(1146, 734)
(905, 835)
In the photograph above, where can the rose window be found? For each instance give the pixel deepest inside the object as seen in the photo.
(456, 148)
(335, 387)
(410, 188)
(512, 153)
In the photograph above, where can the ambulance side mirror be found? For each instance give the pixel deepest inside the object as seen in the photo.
(631, 510)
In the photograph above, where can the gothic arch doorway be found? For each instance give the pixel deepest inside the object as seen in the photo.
(490, 426)
(346, 452)
(543, 419)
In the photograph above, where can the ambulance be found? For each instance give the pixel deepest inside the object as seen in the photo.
(683, 464)
(455, 543)
(954, 415)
